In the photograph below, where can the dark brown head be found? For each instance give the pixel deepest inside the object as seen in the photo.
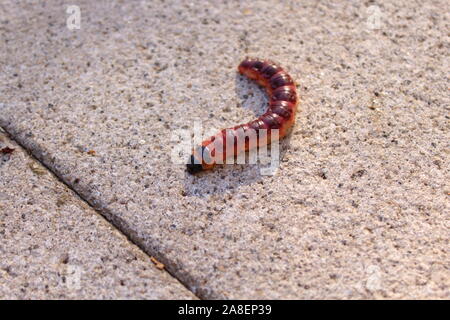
(193, 166)
(195, 163)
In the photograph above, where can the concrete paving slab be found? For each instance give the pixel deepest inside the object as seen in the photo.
(54, 246)
(359, 207)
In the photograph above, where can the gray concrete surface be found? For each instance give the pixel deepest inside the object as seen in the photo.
(54, 246)
(360, 205)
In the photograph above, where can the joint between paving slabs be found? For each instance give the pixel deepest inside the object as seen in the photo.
(157, 259)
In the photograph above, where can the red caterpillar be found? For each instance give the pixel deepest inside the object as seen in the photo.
(280, 115)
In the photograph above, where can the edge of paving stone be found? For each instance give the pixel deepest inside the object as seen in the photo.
(175, 269)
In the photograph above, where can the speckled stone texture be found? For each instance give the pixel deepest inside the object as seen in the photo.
(360, 205)
(54, 246)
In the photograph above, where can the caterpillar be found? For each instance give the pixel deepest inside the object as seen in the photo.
(280, 115)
